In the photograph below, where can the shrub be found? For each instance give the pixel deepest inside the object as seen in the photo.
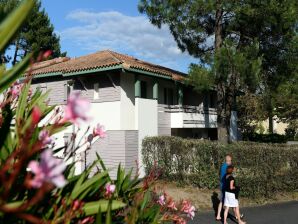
(262, 169)
(266, 138)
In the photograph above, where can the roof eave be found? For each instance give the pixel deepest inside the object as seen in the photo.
(94, 70)
(102, 69)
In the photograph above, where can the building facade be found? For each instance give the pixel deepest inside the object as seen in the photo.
(132, 99)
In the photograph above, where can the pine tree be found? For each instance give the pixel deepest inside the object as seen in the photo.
(36, 35)
(203, 29)
(274, 24)
(230, 38)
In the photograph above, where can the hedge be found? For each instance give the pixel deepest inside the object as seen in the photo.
(262, 169)
(266, 138)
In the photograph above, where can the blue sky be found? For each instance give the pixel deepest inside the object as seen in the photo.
(87, 26)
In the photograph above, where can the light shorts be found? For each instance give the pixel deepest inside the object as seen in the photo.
(230, 200)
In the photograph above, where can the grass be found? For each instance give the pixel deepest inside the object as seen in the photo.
(201, 198)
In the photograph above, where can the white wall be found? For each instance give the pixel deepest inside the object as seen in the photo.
(107, 114)
(177, 120)
(127, 115)
(147, 123)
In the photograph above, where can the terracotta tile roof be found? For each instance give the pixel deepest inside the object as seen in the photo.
(101, 59)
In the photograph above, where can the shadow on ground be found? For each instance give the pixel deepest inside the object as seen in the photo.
(215, 203)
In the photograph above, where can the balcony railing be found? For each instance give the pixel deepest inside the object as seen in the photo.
(186, 109)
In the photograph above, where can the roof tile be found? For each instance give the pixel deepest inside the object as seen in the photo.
(101, 59)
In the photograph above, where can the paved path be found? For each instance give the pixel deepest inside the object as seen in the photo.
(283, 213)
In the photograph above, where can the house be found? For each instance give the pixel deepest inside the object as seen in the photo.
(131, 98)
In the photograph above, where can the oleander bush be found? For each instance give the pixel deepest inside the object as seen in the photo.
(262, 169)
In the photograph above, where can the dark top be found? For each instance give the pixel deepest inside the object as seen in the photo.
(228, 184)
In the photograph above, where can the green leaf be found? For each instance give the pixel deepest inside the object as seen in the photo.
(145, 200)
(5, 131)
(14, 204)
(87, 184)
(20, 111)
(11, 75)
(101, 162)
(38, 98)
(9, 27)
(92, 208)
(109, 215)
(98, 219)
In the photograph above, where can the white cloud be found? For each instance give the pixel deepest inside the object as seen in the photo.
(134, 35)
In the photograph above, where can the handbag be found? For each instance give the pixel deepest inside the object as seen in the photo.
(237, 191)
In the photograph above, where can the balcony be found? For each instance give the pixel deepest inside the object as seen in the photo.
(184, 116)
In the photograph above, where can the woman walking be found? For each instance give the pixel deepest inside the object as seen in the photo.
(231, 196)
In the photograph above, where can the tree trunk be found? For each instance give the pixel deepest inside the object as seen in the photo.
(270, 120)
(14, 61)
(222, 133)
(270, 114)
(218, 25)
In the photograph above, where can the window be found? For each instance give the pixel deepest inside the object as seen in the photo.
(168, 96)
(68, 88)
(143, 89)
(165, 96)
(96, 91)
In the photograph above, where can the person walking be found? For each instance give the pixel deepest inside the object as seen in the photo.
(231, 196)
(222, 176)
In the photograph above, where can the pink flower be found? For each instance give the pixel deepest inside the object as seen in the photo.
(45, 137)
(188, 209)
(161, 200)
(110, 189)
(76, 108)
(178, 220)
(50, 169)
(36, 114)
(76, 205)
(99, 131)
(16, 90)
(47, 54)
(87, 220)
(172, 205)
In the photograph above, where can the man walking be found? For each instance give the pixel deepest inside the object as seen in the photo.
(222, 176)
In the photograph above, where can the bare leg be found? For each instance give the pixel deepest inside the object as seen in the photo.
(234, 210)
(218, 217)
(226, 214)
(238, 216)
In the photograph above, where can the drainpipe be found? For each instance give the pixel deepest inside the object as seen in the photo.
(180, 95)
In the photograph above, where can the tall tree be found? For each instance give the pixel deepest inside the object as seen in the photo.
(286, 96)
(37, 33)
(274, 24)
(203, 28)
(210, 30)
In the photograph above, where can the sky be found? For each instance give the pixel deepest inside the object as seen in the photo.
(87, 26)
